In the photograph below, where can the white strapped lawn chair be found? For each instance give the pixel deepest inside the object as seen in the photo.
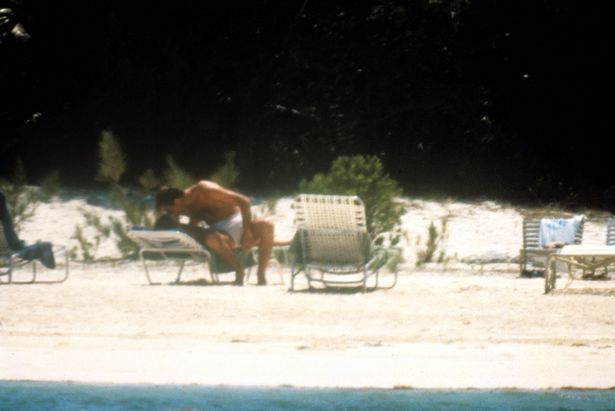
(332, 245)
(532, 246)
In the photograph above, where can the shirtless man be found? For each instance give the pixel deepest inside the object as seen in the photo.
(230, 222)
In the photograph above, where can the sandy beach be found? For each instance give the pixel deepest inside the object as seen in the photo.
(472, 322)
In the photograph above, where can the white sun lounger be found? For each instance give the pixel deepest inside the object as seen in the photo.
(586, 257)
(168, 245)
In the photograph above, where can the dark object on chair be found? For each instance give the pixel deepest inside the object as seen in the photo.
(15, 253)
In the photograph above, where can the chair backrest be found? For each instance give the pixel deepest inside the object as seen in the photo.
(164, 239)
(610, 231)
(531, 232)
(332, 228)
(329, 212)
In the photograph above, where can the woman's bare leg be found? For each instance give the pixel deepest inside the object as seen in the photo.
(263, 235)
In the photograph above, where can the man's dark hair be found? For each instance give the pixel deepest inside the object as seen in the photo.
(166, 196)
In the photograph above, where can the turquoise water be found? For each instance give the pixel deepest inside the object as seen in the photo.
(18, 396)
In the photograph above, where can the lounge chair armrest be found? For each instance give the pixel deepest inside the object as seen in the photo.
(389, 256)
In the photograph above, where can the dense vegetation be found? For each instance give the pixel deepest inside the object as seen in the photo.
(461, 97)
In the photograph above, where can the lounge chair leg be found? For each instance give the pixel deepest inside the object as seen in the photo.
(394, 278)
(522, 263)
(292, 276)
(149, 279)
(10, 273)
(33, 271)
(66, 268)
(292, 281)
(179, 274)
(364, 288)
(550, 274)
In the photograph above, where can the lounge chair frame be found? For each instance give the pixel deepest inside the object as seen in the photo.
(10, 262)
(532, 246)
(588, 258)
(332, 246)
(168, 245)
(174, 245)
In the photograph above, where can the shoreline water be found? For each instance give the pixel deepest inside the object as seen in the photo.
(68, 397)
(212, 386)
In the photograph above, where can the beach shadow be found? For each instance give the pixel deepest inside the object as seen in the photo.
(532, 274)
(201, 283)
(607, 292)
(333, 290)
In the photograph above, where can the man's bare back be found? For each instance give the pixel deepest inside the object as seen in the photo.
(209, 202)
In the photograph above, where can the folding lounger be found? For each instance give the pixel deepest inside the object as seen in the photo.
(332, 246)
(537, 246)
(11, 259)
(168, 245)
(179, 246)
(588, 258)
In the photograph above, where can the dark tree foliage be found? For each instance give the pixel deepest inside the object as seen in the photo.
(463, 97)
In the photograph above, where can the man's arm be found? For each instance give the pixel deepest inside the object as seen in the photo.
(244, 204)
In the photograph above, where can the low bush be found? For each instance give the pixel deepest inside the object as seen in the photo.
(133, 203)
(363, 176)
(434, 249)
(23, 199)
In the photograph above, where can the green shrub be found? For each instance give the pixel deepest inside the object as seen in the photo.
(86, 247)
(227, 173)
(364, 177)
(23, 199)
(111, 158)
(434, 249)
(177, 177)
(148, 180)
(88, 244)
(111, 167)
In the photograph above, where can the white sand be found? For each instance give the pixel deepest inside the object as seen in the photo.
(469, 323)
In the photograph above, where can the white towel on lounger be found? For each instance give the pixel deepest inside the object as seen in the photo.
(560, 230)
